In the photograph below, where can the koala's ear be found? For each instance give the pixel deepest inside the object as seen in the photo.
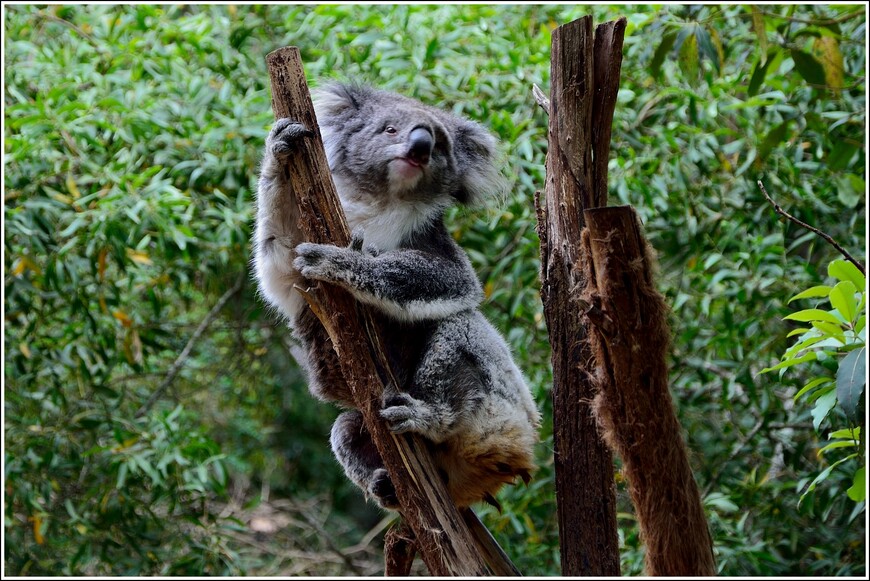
(336, 100)
(477, 159)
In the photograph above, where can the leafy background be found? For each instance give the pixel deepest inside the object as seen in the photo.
(154, 422)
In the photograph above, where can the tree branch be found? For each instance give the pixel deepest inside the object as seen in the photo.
(827, 238)
(185, 353)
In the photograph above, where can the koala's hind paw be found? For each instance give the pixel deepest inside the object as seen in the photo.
(284, 136)
(382, 489)
(403, 413)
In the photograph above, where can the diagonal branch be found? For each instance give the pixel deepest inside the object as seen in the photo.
(824, 236)
(185, 353)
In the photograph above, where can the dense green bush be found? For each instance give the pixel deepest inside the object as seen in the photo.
(132, 137)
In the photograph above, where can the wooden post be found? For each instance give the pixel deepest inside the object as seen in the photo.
(441, 535)
(629, 336)
(609, 335)
(585, 489)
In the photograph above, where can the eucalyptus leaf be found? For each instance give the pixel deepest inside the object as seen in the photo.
(822, 408)
(851, 380)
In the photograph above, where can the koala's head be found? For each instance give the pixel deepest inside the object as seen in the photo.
(385, 144)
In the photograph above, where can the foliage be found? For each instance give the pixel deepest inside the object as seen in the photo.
(132, 137)
(838, 331)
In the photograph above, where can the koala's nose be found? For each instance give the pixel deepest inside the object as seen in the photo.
(421, 144)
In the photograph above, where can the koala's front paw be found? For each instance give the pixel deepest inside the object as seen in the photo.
(403, 413)
(382, 489)
(323, 262)
(284, 136)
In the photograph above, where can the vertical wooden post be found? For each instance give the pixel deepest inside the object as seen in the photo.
(609, 335)
(585, 490)
(629, 336)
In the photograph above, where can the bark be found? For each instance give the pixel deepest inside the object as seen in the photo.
(399, 551)
(585, 490)
(630, 339)
(441, 535)
(608, 333)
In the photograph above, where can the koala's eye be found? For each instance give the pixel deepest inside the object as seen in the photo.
(390, 129)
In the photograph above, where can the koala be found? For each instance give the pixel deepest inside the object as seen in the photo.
(397, 165)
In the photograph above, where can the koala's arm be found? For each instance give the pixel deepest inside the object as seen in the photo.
(276, 232)
(407, 284)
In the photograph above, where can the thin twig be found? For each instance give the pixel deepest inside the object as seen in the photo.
(816, 21)
(734, 452)
(327, 538)
(541, 98)
(827, 238)
(185, 353)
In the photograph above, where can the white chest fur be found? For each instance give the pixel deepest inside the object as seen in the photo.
(388, 222)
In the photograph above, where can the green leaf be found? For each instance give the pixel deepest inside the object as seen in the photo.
(858, 490)
(722, 502)
(798, 331)
(823, 406)
(850, 433)
(842, 269)
(831, 330)
(813, 315)
(851, 379)
(838, 444)
(758, 74)
(705, 44)
(812, 292)
(843, 299)
(808, 67)
(789, 362)
(838, 159)
(811, 385)
(760, 33)
(823, 475)
(826, 50)
(655, 66)
(689, 59)
(772, 139)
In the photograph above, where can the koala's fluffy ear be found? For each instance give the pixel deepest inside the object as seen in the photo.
(335, 101)
(335, 104)
(477, 157)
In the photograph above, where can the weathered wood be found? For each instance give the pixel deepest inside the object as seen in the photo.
(399, 550)
(606, 71)
(629, 336)
(442, 537)
(499, 563)
(585, 490)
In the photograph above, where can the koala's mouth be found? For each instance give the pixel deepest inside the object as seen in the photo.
(414, 162)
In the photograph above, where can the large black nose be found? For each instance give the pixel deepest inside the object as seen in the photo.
(420, 145)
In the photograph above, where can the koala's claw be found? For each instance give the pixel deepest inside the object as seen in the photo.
(357, 238)
(383, 490)
(284, 136)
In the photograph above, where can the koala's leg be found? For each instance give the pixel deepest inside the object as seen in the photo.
(325, 379)
(446, 386)
(353, 447)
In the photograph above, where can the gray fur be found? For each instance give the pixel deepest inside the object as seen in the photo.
(397, 165)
